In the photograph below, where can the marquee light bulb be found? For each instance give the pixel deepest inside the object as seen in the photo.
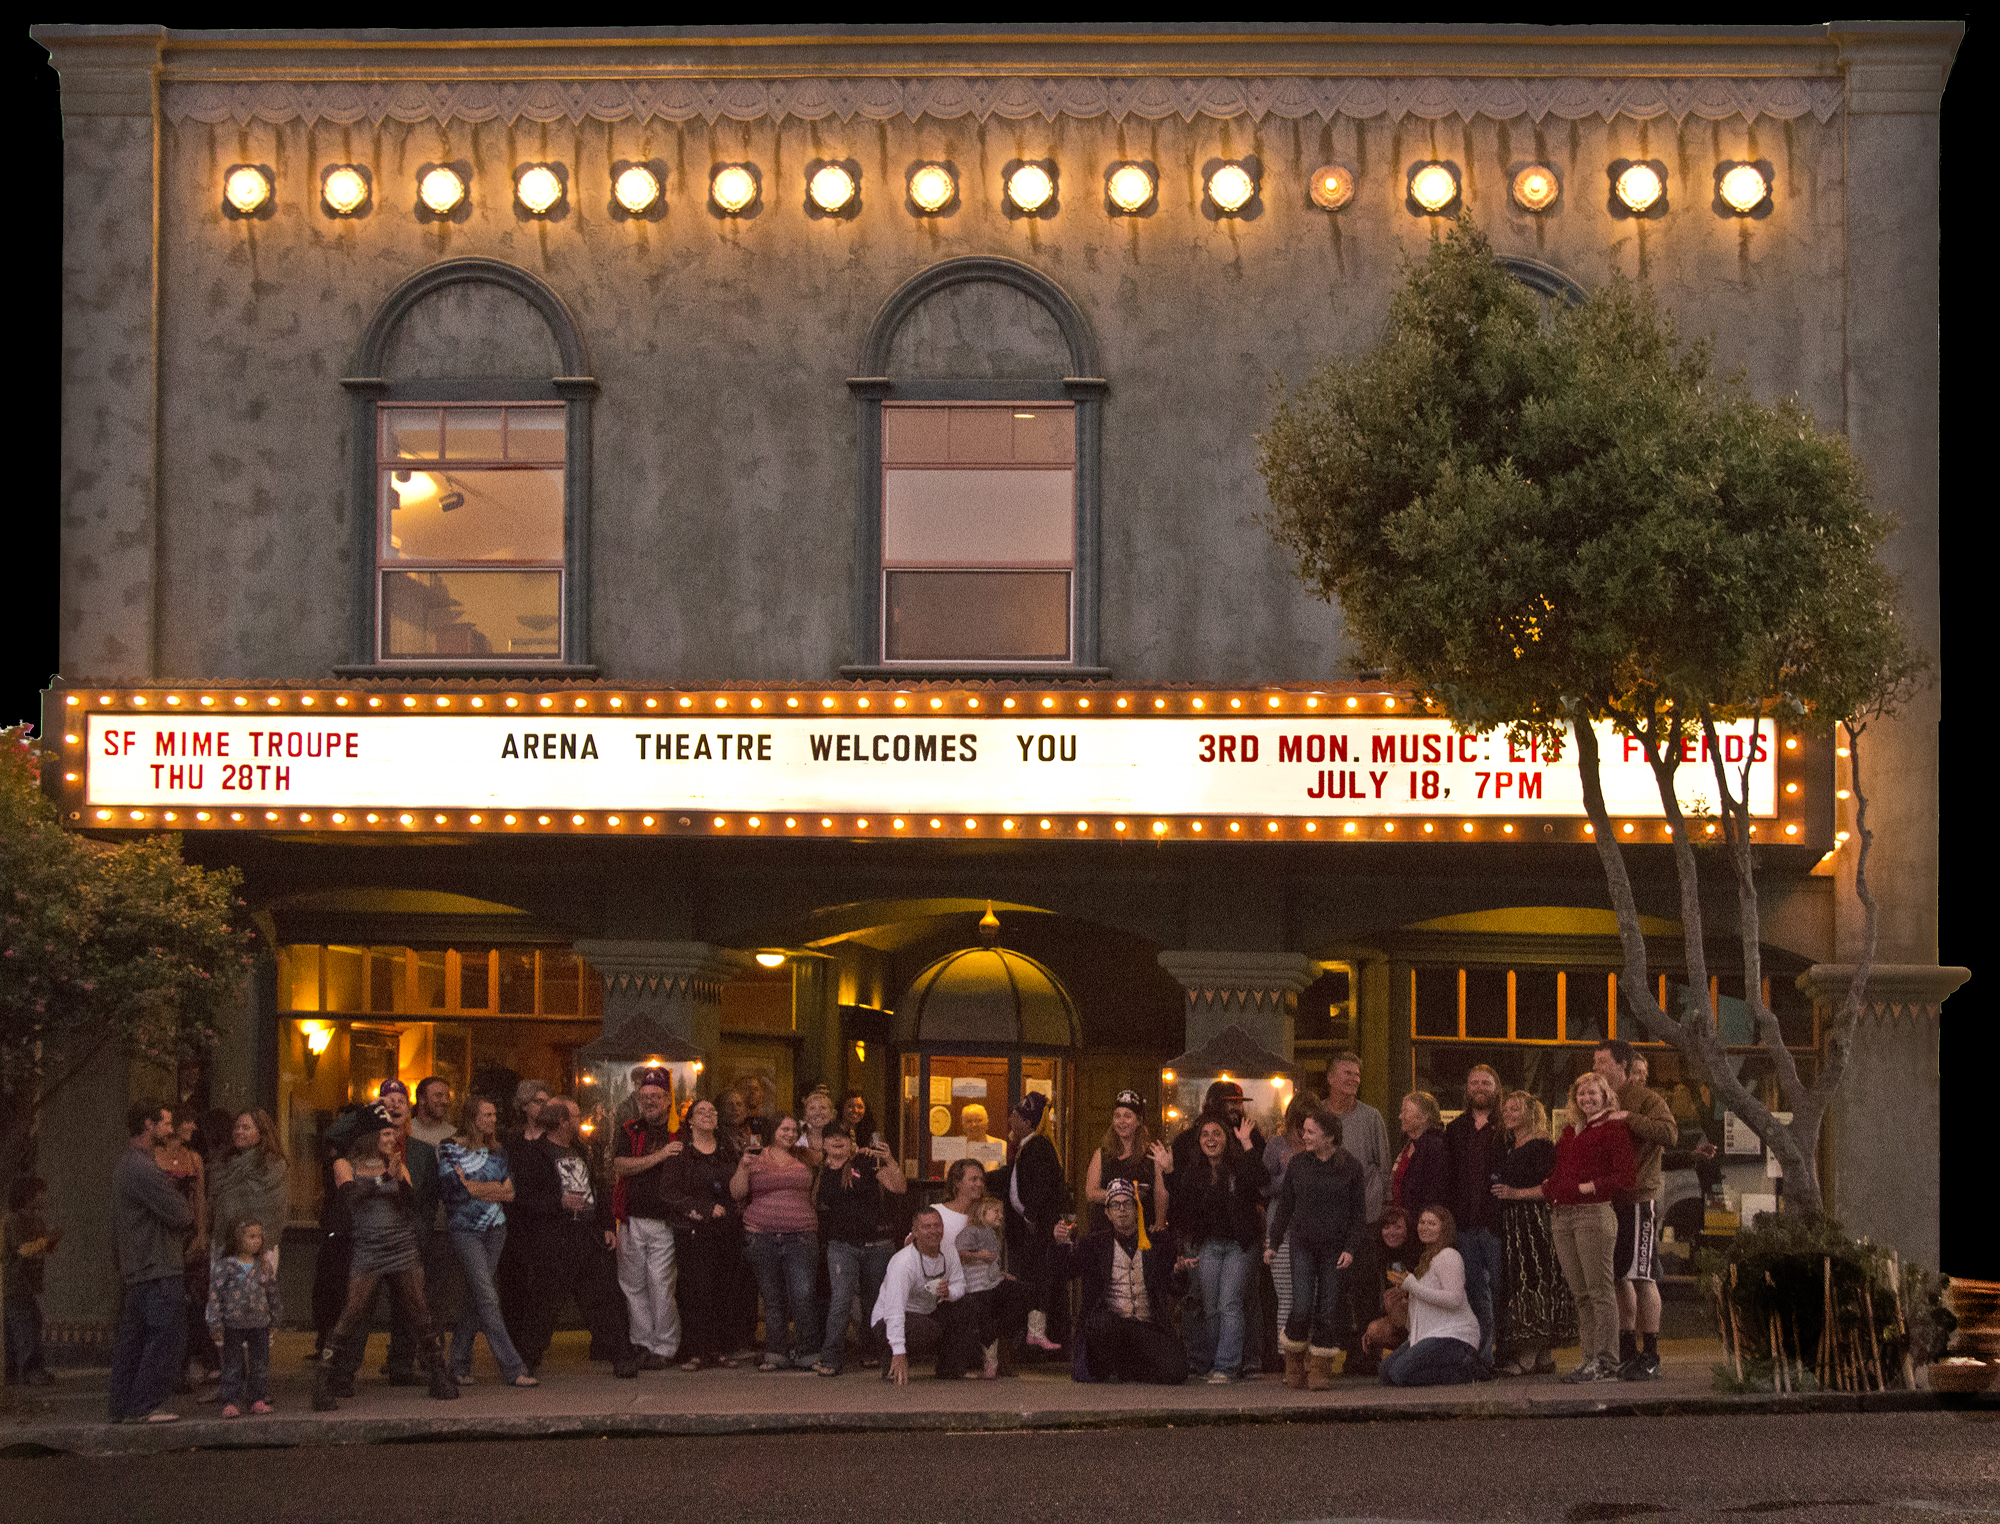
(637, 189)
(539, 189)
(1639, 187)
(1433, 187)
(247, 188)
(1744, 189)
(733, 188)
(1536, 188)
(442, 190)
(831, 188)
(1230, 187)
(1130, 187)
(1030, 187)
(931, 188)
(345, 190)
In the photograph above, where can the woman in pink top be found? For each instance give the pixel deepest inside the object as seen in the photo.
(781, 1233)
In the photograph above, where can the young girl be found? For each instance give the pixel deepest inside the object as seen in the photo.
(243, 1308)
(979, 1251)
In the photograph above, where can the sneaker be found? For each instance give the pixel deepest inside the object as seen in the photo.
(1595, 1369)
(231, 1410)
(1641, 1367)
(1042, 1342)
(260, 1407)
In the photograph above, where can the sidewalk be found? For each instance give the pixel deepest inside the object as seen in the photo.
(578, 1399)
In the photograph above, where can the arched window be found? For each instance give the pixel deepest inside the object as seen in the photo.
(471, 482)
(977, 532)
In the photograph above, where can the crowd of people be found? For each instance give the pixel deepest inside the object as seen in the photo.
(1471, 1251)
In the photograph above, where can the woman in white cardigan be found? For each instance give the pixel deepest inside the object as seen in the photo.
(1444, 1334)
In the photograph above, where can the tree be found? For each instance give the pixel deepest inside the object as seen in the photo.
(1542, 519)
(106, 950)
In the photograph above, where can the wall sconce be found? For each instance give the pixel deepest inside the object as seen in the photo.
(344, 190)
(1743, 188)
(733, 187)
(539, 189)
(1030, 188)
(831, 188)
(1536, 188)
(1230, 187)
(1332, 187)
(933, 187)
(1433, 187)
(441, 189)
(637, 189)
(246, 189)
(1639, 187)
(1130, 187)
(771, 958)
(319, 1036)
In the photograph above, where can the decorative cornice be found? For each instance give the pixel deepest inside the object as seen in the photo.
(1916, 991)
(666, 970)
(1250, 980)
(1009, 98)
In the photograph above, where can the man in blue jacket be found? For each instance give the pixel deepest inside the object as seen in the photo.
(148, 1217)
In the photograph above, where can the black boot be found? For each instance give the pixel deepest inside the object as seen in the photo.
(443, 1388)
(323, 1379)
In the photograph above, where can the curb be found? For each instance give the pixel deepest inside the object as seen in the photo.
(282, 1433)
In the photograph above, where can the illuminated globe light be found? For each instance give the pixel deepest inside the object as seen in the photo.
(931, 188)
(733, 188)
(247, 188)
(637, 189)
(1639, 187)
(1130, 187)
(345, 190)
(442, 190)
(831, 189)
(1332, 187)
(538, 188)
(1030, 187)
(1536, 188)
(1744, 189)
(1433, 187)
(1230, 187)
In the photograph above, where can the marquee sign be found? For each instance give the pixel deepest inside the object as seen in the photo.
(1293, 765)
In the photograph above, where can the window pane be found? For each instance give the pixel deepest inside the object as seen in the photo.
(1586, 1000)
(343, 978)
(535, 433)
(990, 616)
(1486, 1002)
(981, 435)
(409, 433)
(430, 981)
(517, 981)
(915, 434)
(1045, 434)
(298, 977)
(1535, 1004)
(1437, 1002)
(559, 982)
(472, 433)
(473, 515)
(437, 613)
(385, 978)
(475, 981)
(961, 518)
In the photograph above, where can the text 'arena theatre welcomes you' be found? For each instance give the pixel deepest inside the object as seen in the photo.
(637, 546)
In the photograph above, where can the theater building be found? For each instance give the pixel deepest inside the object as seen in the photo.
(648, 540)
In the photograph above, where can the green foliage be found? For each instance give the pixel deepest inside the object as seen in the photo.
(1541, 517)
(103, 947)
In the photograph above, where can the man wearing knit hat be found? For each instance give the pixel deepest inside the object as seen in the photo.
(1036, 1194)
(1126, 1331)
(646, 1271)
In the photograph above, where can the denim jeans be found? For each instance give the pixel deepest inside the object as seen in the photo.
(851, 1268)
(146, 1352)
(1315, 1318)
(1431, 1362)
(1224, 1267)
(1480, 1249)
(479, 1257)
(241, 1348)
(784, 1266)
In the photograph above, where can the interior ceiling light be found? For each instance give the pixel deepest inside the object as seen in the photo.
(1639, 187)
(733, 188)
(442, 190)
(931, 188)
(1030, 187)
(1332, 187)
(1536, 188)
(1433, 187)
(345, 190)
(539, 188)
(1130, 187)
(1744, 189)
(771, 959)
(637, 189)
(247, 188)
(1230, 187)
(831, 188)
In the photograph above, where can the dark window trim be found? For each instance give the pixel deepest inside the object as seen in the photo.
(871, 387)
(367, 388)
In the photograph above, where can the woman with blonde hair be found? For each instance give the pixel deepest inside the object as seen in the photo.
(1536, 1312)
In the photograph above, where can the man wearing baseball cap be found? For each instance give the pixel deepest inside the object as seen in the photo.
(646, 1272)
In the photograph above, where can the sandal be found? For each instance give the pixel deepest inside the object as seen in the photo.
(821, 1368)
(770, 1365)
(524, 1379)
(1513, 1368)
(724, 1362)
(692, 1363)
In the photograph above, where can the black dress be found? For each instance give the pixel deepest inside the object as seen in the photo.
(1536, 1308)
